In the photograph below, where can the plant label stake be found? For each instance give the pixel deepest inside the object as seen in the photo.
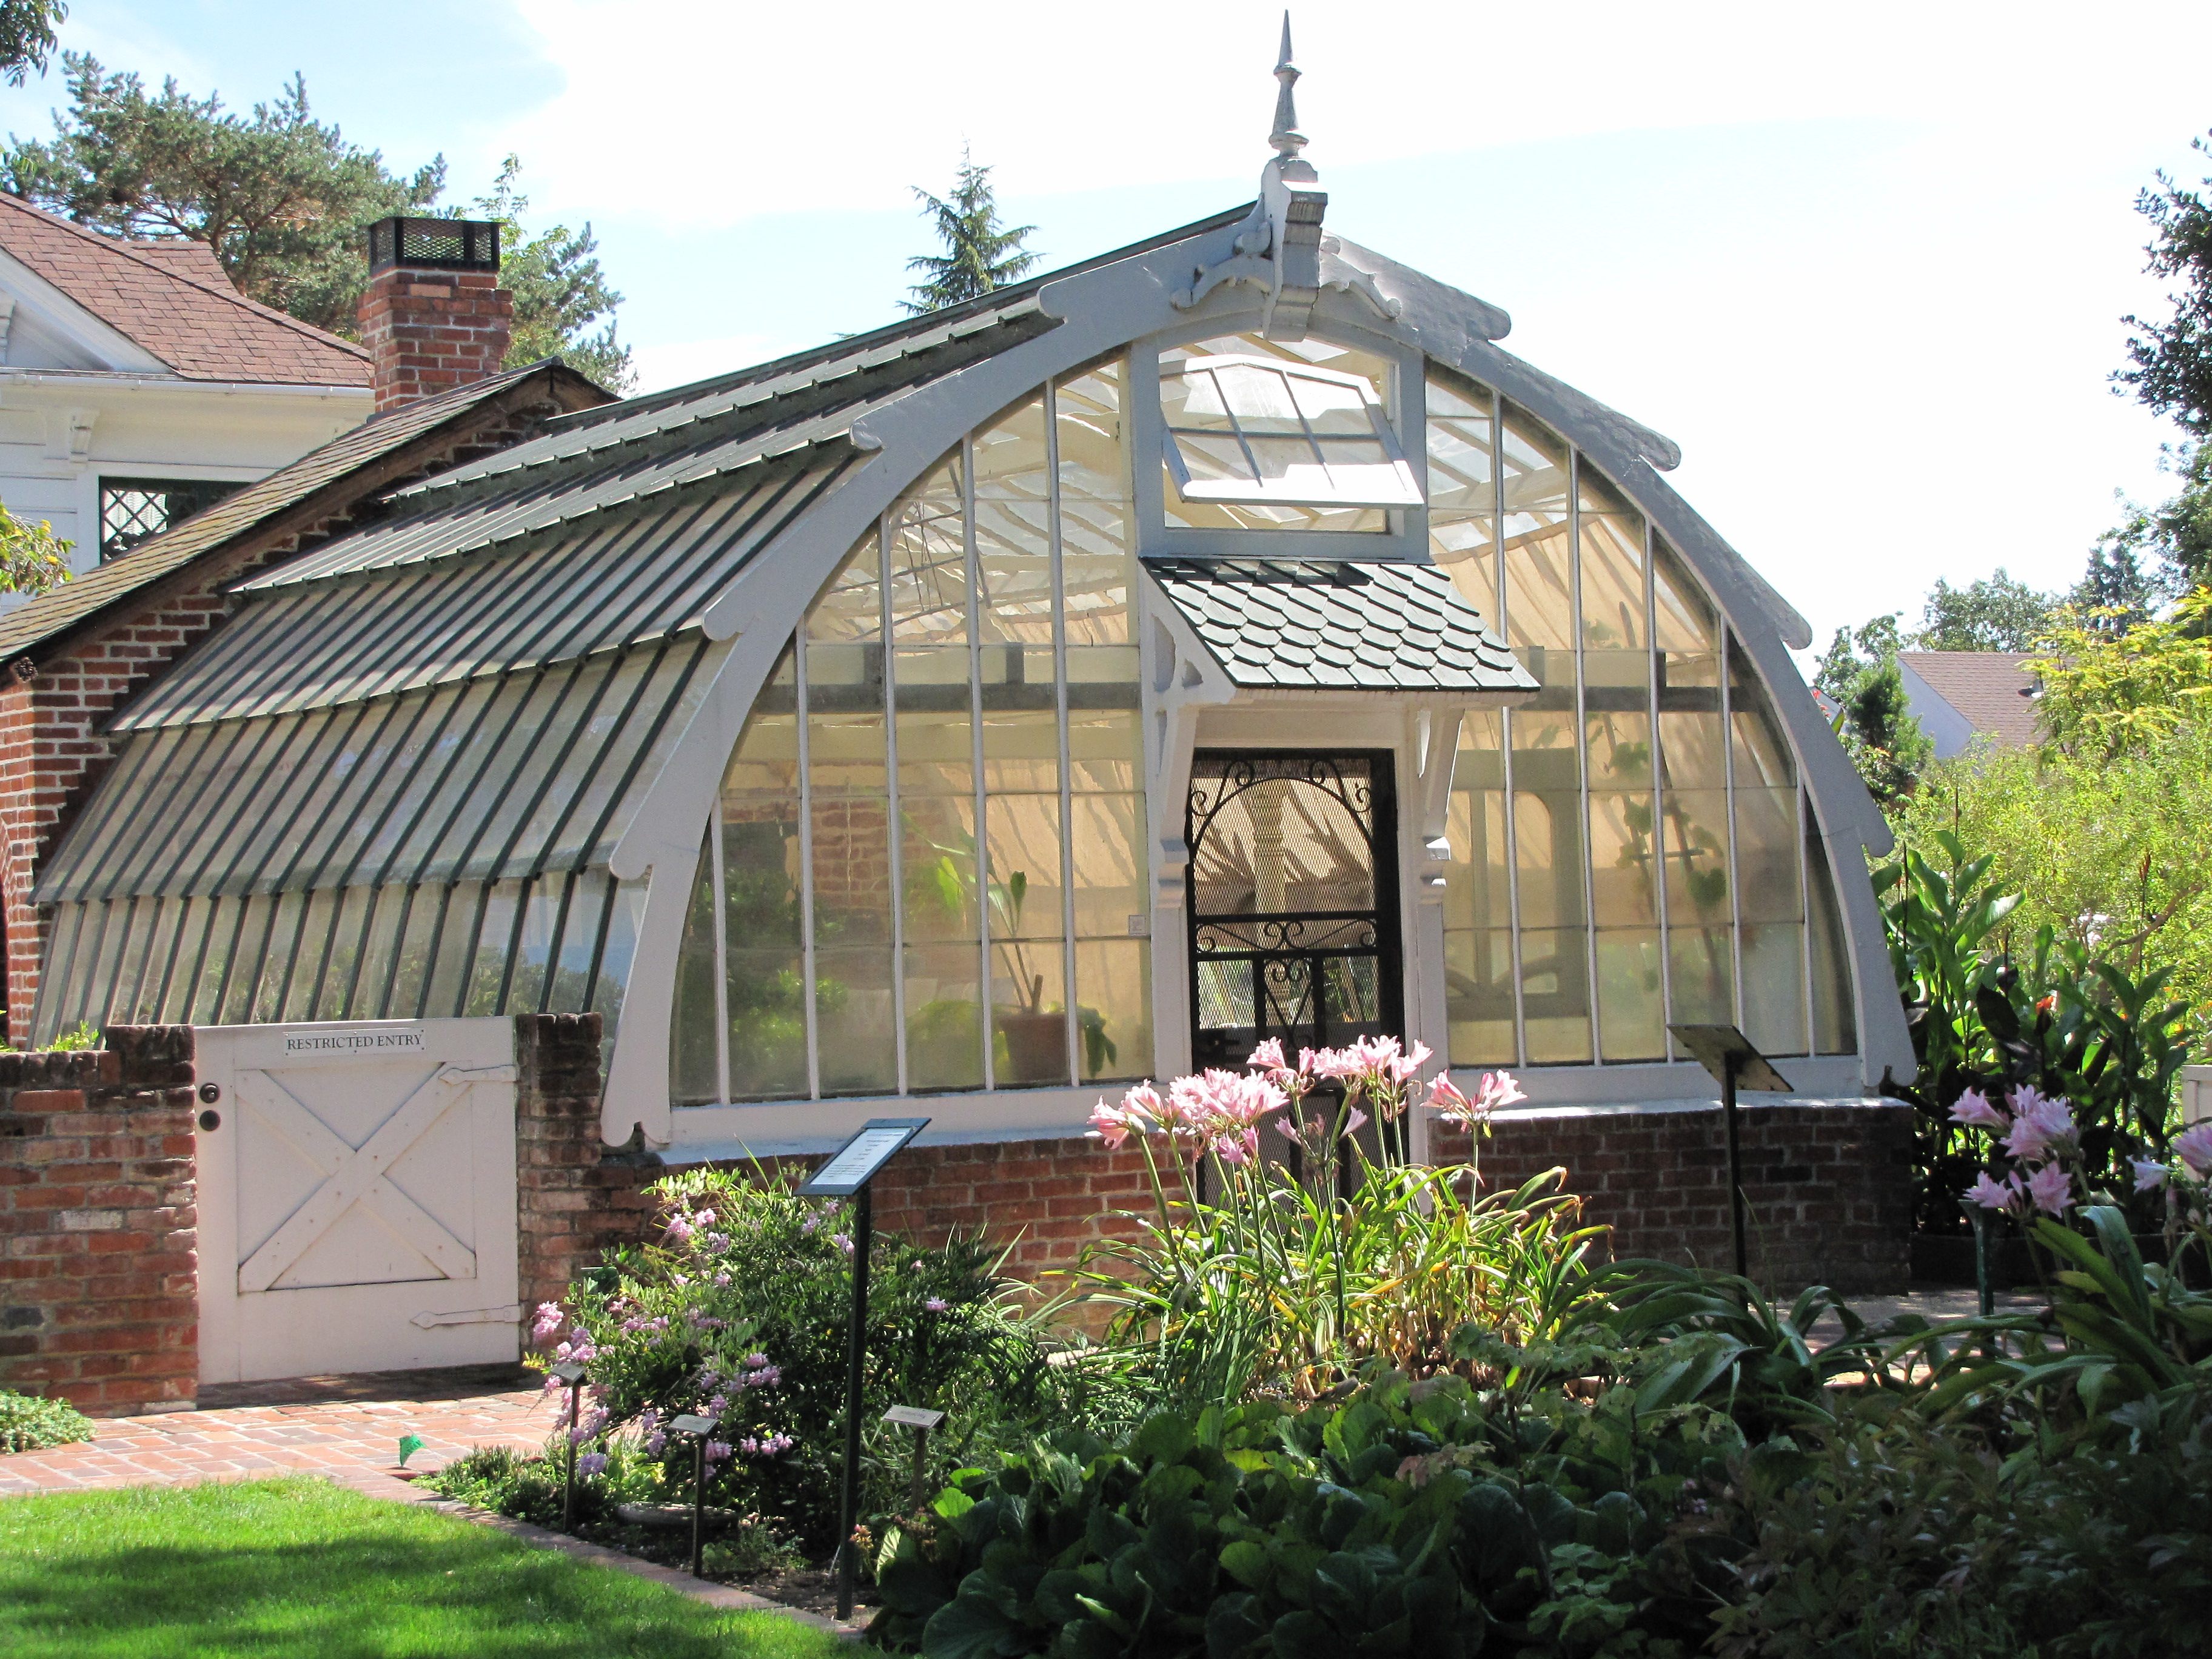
(921, 1420)
(571, 1372)
(698, 1428)
(847, 1175)
(1728, 1054)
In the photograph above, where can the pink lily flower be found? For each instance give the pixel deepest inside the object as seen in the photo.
(1973, 1111)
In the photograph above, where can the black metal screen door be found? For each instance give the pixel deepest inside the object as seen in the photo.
(1293, 902)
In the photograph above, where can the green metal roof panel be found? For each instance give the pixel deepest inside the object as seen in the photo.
(1339, 625)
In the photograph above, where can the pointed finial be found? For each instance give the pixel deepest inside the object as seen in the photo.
(1286, 138)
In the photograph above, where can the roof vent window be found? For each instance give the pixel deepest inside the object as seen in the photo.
(1264, 430)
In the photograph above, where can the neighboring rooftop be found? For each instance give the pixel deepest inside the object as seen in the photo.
(58, 614)
(1960, 696)
(1377, 626)
(174, 302)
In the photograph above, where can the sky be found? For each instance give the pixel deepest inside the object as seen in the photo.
(1866, 265)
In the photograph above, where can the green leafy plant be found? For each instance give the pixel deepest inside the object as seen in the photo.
(30, 1422)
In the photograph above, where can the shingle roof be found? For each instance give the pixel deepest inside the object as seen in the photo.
(167, 303)
(1989, 688)
(63, 609)
(1339, 625)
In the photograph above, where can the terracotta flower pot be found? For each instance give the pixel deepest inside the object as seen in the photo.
(1037, 1046)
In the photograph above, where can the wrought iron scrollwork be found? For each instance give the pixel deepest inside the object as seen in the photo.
(1213, 785)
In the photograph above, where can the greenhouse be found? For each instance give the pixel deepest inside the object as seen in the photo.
(1222, 638)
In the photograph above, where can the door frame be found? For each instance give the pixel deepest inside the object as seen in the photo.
(1384, 833)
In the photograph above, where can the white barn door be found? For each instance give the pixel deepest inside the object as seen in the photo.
(356, 1197)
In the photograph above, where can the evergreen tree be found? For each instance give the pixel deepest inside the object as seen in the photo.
(1998, 613)
(980, 253)
(560, 290)
(2171, 360)
(2116, 593)
(1883, 737)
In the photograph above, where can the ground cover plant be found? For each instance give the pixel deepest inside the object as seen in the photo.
(295, 1565)
(1684, 1469)
(29, 1422)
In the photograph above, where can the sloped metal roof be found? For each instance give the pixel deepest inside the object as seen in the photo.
(1339, 625)
(501, 777)
(60, 610)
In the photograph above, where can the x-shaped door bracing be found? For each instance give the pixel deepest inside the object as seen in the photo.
(353, 1176)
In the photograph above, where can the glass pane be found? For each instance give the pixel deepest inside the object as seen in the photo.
(1547, 818)
(1476, 895)
(372, 992)
(1461, 441)
(1766, 843)
(1555, 994)
(246, 955)
(454, 952)
(851, 607)
(344, 967)
(1686, 622)
(138, 930)
(1535, 506)
(938, 869)
(1623, 883)
(761, 905)
(1774, 988)
(1104, 749)
(936, 740)
(1029, 1030)
(1479, 996)
(307, 959)
(1025, 894)
(1619, 755)
(1612, 581)
(693, 1064)
(1540, 607)
(579, 936)
(1631, 1018)
(617, 953)
(1465, 549)
(1696, 832)
(1010, 456)
(1088, 407)
(540, 914)
(1835, 1022)
(1763, 758)
(856, 1032)
(929, 562)
(1113, 1009)
(1702, 974)
(215, 957)
(176, 1006)
(494, 937)
(1094, 571)
(1332, 409)
(1013, 553)
(944, 1016)
(1112, 894)
(1021, 750)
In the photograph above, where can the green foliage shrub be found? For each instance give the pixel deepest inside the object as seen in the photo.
(31, 1423)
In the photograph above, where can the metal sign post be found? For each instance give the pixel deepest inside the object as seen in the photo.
(921, 1420)
(847, 1175)
(1728, 1054)
(571, 1373)
(698, 1428)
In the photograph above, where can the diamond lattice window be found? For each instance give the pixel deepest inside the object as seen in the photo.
(132, 509)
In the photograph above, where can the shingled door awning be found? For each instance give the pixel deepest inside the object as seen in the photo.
(1339, 625)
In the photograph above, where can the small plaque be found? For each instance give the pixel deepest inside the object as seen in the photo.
(913, 1417)
(1721, 1048)
(689, 1425)
(1139, 925)
(314, 1044)
(853, 1165)
(569, 1370)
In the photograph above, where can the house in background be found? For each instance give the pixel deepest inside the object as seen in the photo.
(1961, 698)
(436, 323)
(138, 387)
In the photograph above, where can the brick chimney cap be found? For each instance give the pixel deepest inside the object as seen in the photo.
(434, 244)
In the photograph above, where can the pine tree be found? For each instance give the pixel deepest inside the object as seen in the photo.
(980, 254)
(560, 290)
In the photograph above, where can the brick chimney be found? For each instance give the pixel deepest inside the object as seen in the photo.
(434, 316)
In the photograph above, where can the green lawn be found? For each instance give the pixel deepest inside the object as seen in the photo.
(296, 1568)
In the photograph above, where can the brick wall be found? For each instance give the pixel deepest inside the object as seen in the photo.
(427, 331)
(1828, 1189)
(576, 1196)
(98, 1228)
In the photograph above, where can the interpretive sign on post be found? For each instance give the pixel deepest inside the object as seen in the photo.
(847, 1175)
(1728, 1054)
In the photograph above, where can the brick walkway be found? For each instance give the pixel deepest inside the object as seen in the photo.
(332, 1425)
